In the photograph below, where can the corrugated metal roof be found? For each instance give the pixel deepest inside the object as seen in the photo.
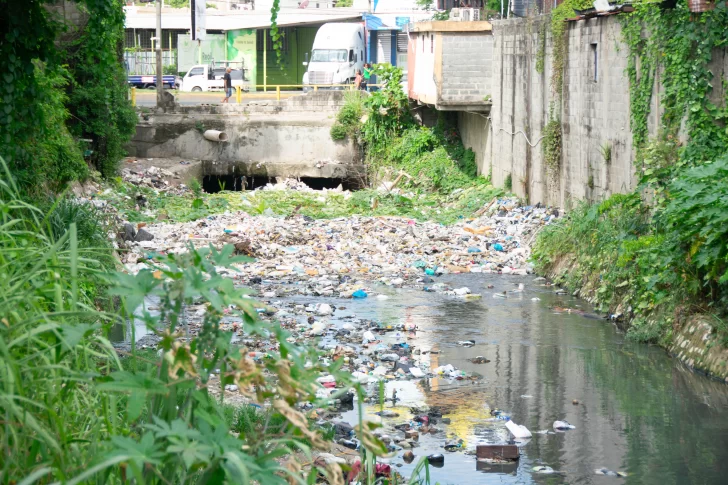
(180, 18)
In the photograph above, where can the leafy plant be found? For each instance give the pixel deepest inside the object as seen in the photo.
(196, 188)
(387, 110)
(348, 119)
(698, 210)
(98, 97)
(508, 182)
(606, 150)
(552, 145)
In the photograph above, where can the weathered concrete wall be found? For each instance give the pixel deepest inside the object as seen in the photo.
(422, 67)
(473, 131)
(291, 138)
(595, 112)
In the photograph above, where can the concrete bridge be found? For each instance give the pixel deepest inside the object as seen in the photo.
(288, 138)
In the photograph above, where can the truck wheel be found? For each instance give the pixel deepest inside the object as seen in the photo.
(196, 89)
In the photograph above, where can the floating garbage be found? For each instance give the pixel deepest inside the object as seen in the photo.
(518, 430)
(436, 460)
(443, 369)
(416, 372)
(466, 343)
(563, 425)
(324, 309)
(546, 470)
(609, 473)
(359, 294)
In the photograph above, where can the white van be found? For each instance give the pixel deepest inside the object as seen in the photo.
(338, 52)
(204, 77)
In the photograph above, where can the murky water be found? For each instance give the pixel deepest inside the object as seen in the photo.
(639, 411)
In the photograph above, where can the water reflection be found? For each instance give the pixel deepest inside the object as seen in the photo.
(638, 411)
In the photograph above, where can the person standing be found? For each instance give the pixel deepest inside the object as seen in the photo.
(367, 74)
(228, 85)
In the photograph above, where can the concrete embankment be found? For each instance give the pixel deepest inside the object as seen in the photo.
(289, 138)
(693, 339)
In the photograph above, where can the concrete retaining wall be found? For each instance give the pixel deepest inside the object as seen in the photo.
(595, 112)
(290, 138)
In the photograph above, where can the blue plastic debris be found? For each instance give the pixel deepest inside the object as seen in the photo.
(474, 250)
(498, 247)
(359, 294)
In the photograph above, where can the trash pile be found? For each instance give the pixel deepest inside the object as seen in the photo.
(153, 177)
(363, 257)
(339, 256)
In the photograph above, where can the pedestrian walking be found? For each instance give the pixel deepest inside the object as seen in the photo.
(228, 85)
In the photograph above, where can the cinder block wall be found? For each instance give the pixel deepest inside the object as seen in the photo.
(467, 71)
(594, 112)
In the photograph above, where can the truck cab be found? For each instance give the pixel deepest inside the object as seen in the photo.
(209, 77)
(338, 52)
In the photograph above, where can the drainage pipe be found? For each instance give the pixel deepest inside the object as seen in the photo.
(214, 135)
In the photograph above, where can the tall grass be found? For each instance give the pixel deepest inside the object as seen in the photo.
(49, 347)
(72, 412)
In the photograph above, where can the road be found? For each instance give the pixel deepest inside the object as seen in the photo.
(148, 97)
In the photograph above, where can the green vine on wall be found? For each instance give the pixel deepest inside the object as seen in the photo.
(541, 48)
(552, 146)
(275, 33)
(552, 143)
(681, 45)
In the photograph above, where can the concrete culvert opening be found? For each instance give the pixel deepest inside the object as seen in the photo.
(213, 184)
(320, 183)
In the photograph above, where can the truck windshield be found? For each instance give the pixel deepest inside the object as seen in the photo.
(328, 55)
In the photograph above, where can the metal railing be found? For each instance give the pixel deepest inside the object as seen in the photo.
(266, 91)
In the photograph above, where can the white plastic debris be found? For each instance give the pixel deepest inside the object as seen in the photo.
(324, 309)
(416, 372)
(518, 430)
(563, 425)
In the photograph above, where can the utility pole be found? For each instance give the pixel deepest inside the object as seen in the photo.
(158, 45)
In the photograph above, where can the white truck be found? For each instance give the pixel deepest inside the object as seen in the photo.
(338, 52)
(209, 77)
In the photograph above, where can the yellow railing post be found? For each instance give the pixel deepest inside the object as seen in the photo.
(238, 94)
(133, 96)
(278, 93)
(315, 87)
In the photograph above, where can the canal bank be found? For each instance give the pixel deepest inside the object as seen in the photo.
(637, 411)
(620, 256)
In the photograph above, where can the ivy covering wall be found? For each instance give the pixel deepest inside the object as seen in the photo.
(63, 84)
(659, 254)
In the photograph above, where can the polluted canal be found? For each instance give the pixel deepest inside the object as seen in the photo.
(419, 313)
(634, 410)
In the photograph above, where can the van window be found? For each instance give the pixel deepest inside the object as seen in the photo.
(328, 55)
(351, 55)
(197, 71)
